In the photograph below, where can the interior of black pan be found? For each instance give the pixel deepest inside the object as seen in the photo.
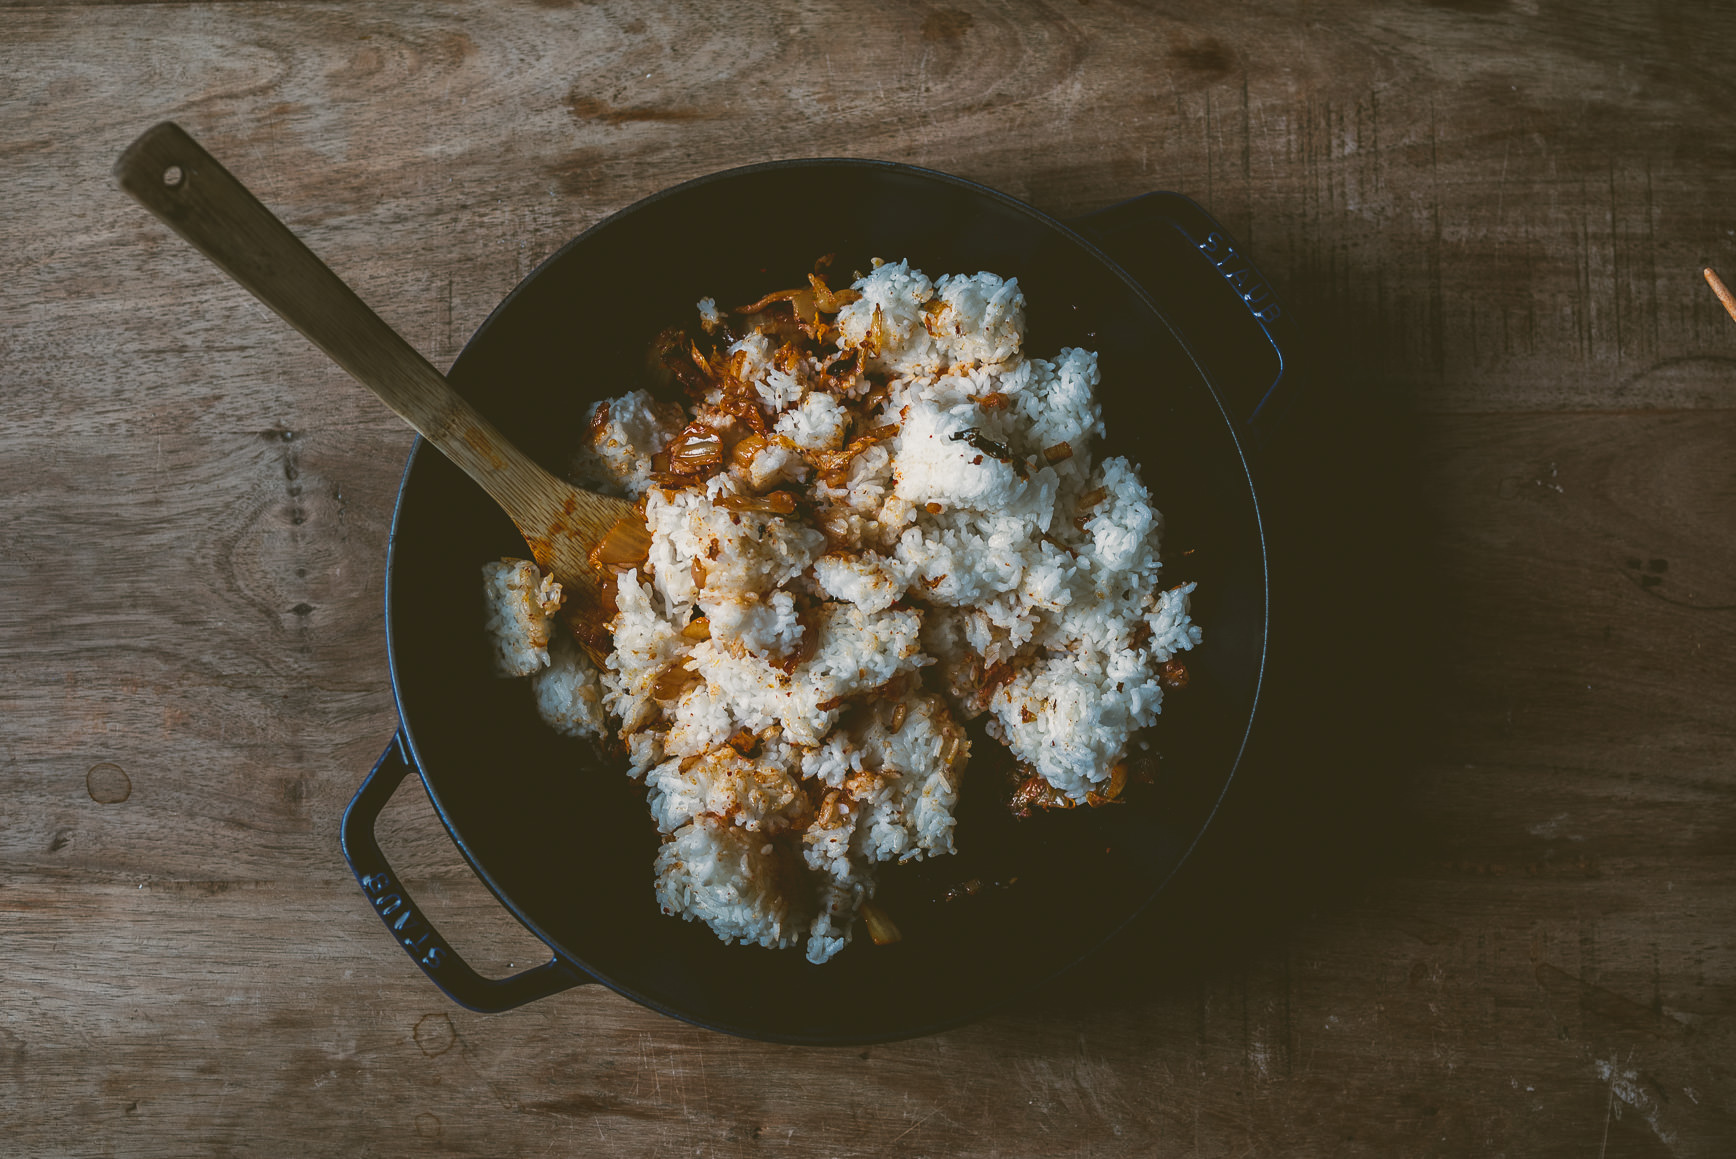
(565, 839)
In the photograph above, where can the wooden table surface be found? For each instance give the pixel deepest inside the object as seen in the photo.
(1506, 932)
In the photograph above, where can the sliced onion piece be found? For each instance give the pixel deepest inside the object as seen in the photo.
(828, 301)
(669, 352)
(1035, 793)
(628, 544)
(672, 681)
(695, 450)
(599, 423)
(747, 449)
(1117, 780)
(801, 300)
(771, 503)
(834, 464)
(880, 925)
(588, 622)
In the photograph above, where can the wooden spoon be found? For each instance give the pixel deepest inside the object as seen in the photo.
(168, 173)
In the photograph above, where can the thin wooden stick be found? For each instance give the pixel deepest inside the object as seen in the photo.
(1723, 291)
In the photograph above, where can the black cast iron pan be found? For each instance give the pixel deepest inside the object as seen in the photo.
(1193, 349)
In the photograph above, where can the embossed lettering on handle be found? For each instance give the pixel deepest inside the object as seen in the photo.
(1242, 276)
(409, 927)
(1180, 255)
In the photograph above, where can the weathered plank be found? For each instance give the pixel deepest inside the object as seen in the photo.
(1552, 904)
(1508, 932)
(1490, 207)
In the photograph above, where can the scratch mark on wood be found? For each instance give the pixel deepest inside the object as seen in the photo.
(1608, 1114)
(911, 1128)
(1615, 280)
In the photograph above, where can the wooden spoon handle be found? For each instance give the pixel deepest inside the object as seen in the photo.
(173, 177)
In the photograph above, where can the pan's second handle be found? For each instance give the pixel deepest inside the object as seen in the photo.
(1197, 274)
(410, 928)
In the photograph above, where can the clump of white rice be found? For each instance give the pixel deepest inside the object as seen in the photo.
(520, 606)
(790, 687)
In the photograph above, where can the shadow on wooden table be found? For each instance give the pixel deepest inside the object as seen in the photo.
(1313, 814)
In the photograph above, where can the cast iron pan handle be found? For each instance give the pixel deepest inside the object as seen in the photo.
(409, 927)
(1223, 307)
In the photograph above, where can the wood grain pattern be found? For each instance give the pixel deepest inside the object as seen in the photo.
(1510, 934)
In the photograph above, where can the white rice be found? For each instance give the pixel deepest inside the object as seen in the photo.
(984, 552)
(615, 458)
(520, 603)
(569, 694)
